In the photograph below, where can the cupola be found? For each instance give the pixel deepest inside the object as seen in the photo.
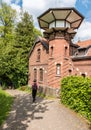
(60, 17)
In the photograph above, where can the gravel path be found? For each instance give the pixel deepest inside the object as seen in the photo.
(43, 115)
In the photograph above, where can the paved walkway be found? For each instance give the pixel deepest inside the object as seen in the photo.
(43, 115)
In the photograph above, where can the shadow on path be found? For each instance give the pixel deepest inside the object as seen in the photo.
(24, 111)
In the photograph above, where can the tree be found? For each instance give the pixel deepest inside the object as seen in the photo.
(7, 19)
(37, 32)
(24, 40)
(16, 40)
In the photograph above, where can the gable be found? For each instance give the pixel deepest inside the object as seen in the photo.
(84, 49)
(89, 51)
(41, 41)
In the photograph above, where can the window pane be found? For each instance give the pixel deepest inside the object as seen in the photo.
(65, 51)
(41, 74)
(38, 54)
(58, 69)
(51, 51)
(52, 25)
(60, 23)
(67, 24)
(35, 73)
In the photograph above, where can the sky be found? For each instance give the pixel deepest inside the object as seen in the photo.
(37, 7)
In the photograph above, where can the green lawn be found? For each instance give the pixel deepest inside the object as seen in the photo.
(5, 104)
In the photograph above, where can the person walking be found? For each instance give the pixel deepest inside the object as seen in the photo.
(34, 90)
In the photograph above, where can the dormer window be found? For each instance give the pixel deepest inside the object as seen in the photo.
(38, 54)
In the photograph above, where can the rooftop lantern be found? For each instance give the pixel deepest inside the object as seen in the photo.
(60, 17)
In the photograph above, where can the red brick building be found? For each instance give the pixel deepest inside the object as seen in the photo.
(55, 56)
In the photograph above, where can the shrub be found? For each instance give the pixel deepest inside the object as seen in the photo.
(76, 93)
(25, 88)
(5, 104)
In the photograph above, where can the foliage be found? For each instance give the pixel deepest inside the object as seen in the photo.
(16, 40)
(5, 105)
(7, 22)
(76, 93)
(25, 88)
(39, 94)
(37, 32)
(24, 41)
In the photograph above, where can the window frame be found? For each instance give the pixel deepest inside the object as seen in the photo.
(35, 73)
(83, 75)
(51, 51)
(41, 74)
(58, 69)
(65, 51)
(38, 54)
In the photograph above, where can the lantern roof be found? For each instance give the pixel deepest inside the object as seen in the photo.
(69, 15)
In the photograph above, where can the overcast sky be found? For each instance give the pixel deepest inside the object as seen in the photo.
(37, 7)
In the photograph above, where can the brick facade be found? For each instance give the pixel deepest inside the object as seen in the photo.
(58, 53)
(54, 56)
(42, 64)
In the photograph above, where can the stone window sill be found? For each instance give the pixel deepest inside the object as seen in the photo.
(41, 82)
(51, 58)
(58, 76)
(37, 60)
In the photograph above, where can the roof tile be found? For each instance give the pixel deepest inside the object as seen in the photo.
(84, 43)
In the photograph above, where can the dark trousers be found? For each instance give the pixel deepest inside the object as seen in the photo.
(34, 92)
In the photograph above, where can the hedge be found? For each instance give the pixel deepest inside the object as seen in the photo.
(76, 93)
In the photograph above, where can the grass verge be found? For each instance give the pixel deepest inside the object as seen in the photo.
(25, 88)
(40, 94)
(5, 105)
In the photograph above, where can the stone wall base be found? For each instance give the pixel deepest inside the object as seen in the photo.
(49, 91)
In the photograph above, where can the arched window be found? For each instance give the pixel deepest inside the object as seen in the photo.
(41, 74)
(84, 75)
(58, 69)
(51, 51)
(38, 54)
(70, 71)
(65, 51)
(35, 73)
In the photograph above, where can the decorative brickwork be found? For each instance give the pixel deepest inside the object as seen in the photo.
(55, 56)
